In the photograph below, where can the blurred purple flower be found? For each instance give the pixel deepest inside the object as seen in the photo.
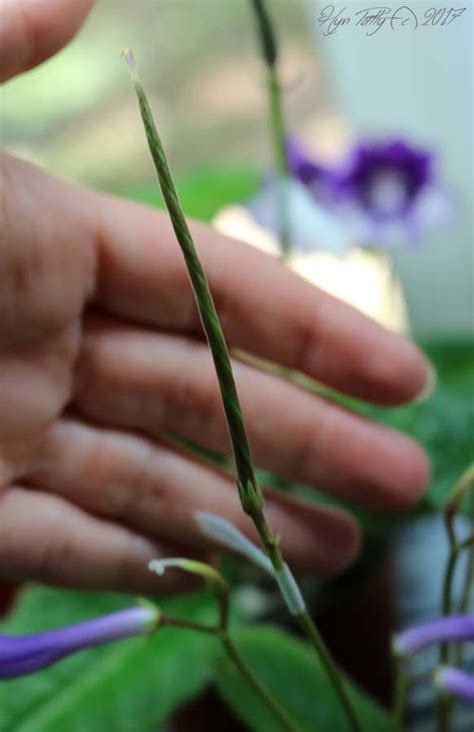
(318, 179)
(455, 683)
(388, 193)
(312, 226)
(21, 655)
(451, 628)
(307, 192)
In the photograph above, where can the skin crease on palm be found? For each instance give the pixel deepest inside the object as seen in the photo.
(101, 352)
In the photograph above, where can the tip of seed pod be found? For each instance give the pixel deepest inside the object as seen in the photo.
(127, 54)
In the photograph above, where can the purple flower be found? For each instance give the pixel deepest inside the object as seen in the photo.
(384, 195)
(21, 655)
(318, 179)
(451, 628)
(455, 683)
(388, 194)
(307, 191)
(311, 225)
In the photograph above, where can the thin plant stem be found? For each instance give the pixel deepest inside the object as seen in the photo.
(444, 703)
(168, 620)
(456, 547)
(467, 585)
(400, 694)
(444, 713)
(469, 576)
(447, 592)
(223, 635)
(281, 160)
(278, 712)
(250, 493)
(269, 50)
(309, 628)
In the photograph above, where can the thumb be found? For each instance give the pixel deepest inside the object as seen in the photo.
(33, 30)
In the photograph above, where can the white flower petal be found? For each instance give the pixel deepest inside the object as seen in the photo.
(225, 533)
(433, 207)
(312, 225)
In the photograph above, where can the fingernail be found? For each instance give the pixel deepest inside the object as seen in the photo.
(429, 387)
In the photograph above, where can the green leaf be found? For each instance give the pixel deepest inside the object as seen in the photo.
(444, 424)
(293, 674)
(203, 192)
(128, 686)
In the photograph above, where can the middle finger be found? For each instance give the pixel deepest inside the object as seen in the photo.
(154, 490)
(158, 382)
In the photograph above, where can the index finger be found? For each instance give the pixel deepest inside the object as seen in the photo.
(31, 31)
(138, 273)
(264, 308)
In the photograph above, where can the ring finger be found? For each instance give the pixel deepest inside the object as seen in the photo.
(155, 491)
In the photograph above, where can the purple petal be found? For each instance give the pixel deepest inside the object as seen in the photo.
(301, 164)
(25, 654)
(393, 187)
(455, 683)
(370, 163)
(312, 226)
(452, 628)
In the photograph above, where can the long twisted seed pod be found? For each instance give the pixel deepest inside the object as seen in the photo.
(249, 490)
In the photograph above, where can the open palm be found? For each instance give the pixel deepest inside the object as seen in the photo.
(102, 358)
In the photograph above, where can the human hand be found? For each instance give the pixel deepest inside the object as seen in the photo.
(102, 353)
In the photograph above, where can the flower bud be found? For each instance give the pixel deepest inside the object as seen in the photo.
(455, 682)
(21, 655)
(443, 630)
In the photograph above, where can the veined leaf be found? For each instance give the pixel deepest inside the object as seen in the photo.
(293, 674)
(129, 686)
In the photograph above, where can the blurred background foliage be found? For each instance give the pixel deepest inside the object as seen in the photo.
(198, 61)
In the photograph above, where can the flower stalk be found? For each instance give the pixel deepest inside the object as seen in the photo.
(250, 493)
(209, 574)
(401, 687)
(467, 583)
(221, 630)
(254, 683)
(269, 50)
(456, 547)
(444, 630)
